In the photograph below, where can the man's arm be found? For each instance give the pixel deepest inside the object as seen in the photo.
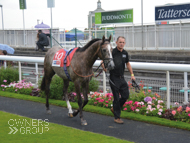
(130, 70)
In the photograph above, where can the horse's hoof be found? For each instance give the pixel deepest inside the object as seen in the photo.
(75, 113)
(48, 111)
(84, 122)
(70, 115)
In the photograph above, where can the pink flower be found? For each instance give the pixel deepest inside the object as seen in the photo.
(159, 113)
(102, 100)
(160, 101)
(3, 89)
(176, 103)
(179, 109)
(158, 106)
(4, 80)
(130, 102)
(107, 101)
(136, 102)
(15, 89)
(133, 108)
(149, 91)
(174, 112)
(149, 102)
(95, 103)
(154, 98)
(106, 105)
(149, 106)
(189, 115)
(187, 109)
(126, 109)
(97, 98)
(2, 85)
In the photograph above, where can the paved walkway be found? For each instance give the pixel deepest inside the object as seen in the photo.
(135, 131)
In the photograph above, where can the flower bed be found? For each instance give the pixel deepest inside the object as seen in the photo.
(142, 102)
(21, 87)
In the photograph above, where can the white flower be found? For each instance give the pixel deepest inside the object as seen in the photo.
(159, 113)
(137, 110)
(160, 110)
(149, 102)
(91, 92)
(142, 103)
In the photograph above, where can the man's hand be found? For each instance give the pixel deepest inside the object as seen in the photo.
(132, 78)
(102, 64)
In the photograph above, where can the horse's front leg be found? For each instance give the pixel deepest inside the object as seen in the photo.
(85, 87)
(77, 89)
(65, 87)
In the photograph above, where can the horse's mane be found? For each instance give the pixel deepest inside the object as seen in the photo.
(87, 45)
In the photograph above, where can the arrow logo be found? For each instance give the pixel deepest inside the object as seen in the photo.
(12, 130)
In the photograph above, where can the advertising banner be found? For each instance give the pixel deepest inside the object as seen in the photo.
(122, 16)
(172, 12)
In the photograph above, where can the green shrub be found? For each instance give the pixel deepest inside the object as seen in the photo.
(56, 87)
(10, 74)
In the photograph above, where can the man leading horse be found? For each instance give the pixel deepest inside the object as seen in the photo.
(117, 82)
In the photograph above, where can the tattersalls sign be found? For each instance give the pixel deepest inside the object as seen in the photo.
(122, 16)
(172, 12)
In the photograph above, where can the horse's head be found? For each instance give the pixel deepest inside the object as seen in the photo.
(106, 53)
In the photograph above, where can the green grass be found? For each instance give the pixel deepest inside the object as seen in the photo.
(104, 111)
(51, 133)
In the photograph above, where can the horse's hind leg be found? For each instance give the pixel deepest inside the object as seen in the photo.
(48, 76)
(65, 87)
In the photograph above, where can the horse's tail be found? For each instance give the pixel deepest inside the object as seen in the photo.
(43, 84)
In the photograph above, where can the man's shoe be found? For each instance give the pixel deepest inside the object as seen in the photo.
(119, 121)
(112, 110)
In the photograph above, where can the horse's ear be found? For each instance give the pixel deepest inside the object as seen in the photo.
(103, 38)
(110, 38)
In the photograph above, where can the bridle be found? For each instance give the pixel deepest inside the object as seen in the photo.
(104, 59)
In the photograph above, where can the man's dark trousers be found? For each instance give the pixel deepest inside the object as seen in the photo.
(120, 87)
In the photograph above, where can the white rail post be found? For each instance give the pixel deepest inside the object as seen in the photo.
(168, 88)
(5, 64)
(36, 66)
(19, 70)
(104, 82)
(185, 88)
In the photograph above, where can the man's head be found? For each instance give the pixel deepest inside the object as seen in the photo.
(39, 31)
(120, 43)
(4, 52)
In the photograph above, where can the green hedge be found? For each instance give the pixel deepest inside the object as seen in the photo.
(56, 87)
(10, 74)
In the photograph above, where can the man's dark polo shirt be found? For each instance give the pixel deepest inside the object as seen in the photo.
(119, 58)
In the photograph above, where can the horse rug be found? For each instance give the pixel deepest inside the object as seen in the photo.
(62, 58)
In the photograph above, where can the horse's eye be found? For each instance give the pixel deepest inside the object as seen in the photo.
(104, 50)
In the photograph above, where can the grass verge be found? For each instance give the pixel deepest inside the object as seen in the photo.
(104, 111)
(45, 132)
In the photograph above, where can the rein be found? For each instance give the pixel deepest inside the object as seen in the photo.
(92, 73)
(96, 68)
